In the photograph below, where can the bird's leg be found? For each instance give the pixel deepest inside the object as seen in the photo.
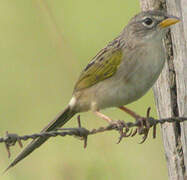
(119, 124)
(104, 117)
(130, 112)
(144, 124)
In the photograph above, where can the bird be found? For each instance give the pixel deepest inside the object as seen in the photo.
(122, 72)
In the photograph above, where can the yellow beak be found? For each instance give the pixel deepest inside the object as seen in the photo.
(169, 21)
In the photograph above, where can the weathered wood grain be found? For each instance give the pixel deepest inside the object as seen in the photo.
(179, 39)
(171, 88)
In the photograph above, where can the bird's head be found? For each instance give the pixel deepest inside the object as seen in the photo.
(150, 25)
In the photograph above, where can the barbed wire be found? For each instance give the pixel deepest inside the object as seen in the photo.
(141, 128)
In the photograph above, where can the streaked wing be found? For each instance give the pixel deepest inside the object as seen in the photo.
(103, 66)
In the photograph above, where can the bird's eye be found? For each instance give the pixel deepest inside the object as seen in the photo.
(148, 21)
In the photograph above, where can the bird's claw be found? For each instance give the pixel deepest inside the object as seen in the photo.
(143, 126)
(122, 128)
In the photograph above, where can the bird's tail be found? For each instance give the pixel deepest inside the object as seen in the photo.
(59, 121)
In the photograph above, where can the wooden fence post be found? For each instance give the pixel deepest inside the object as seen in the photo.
(171, 88)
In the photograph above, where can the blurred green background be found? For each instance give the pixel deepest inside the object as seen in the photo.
(43, 47)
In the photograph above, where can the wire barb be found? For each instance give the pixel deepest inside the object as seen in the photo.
(83, 133)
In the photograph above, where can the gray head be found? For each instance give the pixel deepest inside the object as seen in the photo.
(150, 24)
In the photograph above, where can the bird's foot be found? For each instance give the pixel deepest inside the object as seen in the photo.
(119, 125)
(123, 129)
(142, 123)
(143, 126)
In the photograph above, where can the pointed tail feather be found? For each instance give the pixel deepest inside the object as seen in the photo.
(59, 121)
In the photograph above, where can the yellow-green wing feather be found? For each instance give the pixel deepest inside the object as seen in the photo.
(103, 66)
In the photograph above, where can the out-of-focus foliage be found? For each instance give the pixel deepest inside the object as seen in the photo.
(43, 47)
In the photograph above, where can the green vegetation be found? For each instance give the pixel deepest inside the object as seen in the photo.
(43, 47)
